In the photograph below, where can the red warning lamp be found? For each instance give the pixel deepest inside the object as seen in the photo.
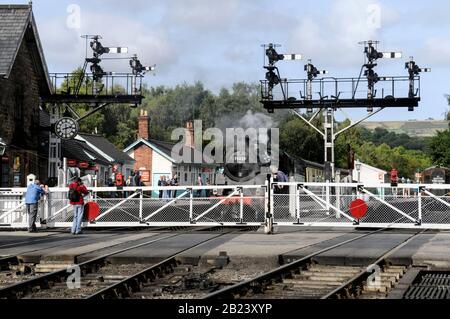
(394, 178)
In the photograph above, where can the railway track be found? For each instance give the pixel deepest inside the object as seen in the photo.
(96, 275)
(173, 279)
(169, 279)
(305, 279)
(13, 270)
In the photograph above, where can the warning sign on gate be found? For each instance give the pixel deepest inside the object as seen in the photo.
(91, 211)
(358, 209)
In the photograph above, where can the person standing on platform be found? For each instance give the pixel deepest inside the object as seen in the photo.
(161, 184)
(77, 191)
(208, 191)
(280, 177)
(137, 179)
(199, 183)
(166, 183)
(175, 183)
(34, 193)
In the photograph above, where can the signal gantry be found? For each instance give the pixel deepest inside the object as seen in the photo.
(329, 94)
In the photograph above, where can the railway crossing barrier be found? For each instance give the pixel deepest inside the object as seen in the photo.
(282, 204)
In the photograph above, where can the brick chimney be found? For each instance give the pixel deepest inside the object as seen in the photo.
(143, 155)
(190, 141)
(144, 123)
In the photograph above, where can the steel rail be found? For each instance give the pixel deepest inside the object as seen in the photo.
(128, 286)
(21, 289)
(277, 274)
(357, 281)
(348, 288)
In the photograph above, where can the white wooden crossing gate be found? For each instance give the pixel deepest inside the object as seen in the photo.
(285, 204)
(326, 204)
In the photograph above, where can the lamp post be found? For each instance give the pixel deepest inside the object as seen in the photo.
(358, 169)
(2, 147)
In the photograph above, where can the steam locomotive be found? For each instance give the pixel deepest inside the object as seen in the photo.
(298, 170)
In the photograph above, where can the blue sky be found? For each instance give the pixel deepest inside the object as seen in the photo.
(219, 42)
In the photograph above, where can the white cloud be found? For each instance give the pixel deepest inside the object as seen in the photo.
(436, 51)
(64, 47)
(333, 35)
(202, 14)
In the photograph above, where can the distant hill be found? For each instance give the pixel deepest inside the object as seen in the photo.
(412, 128)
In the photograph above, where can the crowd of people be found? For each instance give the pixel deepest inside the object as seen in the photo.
(166, 181)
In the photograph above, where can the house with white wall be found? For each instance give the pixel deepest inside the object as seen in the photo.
(153, 158)
(369, 174)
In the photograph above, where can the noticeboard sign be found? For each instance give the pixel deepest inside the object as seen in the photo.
(145, 176)
(439, 180)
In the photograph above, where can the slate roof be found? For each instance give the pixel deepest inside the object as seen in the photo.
(14, 22)
(303, 162)
(164, 147)
(107, 147)
(80, 151)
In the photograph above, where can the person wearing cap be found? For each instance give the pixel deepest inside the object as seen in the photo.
(279, 177)
(33, 195)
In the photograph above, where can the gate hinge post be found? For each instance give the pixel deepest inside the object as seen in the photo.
(191, 206)
(141, 204)
(419, 195)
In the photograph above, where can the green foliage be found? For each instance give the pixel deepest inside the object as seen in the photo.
(301, 141)
(408, 162)
(382, 136)
(440, 148)
(384, 150)
(350, 138)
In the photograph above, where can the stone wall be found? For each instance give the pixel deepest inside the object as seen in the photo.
(19, 114)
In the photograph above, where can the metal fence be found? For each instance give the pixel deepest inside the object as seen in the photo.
(290, 204)
(138, 207)
(405, 206)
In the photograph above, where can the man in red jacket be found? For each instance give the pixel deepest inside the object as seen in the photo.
(77, 191)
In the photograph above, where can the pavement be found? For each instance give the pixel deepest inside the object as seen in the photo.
(430, 249)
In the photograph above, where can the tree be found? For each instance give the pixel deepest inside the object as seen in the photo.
(382, 149)
(407, 162)
(440, 148)
(381, 136)
(69, 85)
(301, 141)
(351, 138)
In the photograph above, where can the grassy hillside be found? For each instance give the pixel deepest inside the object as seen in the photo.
(412, 128)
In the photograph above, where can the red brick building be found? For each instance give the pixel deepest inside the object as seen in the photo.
(154, 158)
